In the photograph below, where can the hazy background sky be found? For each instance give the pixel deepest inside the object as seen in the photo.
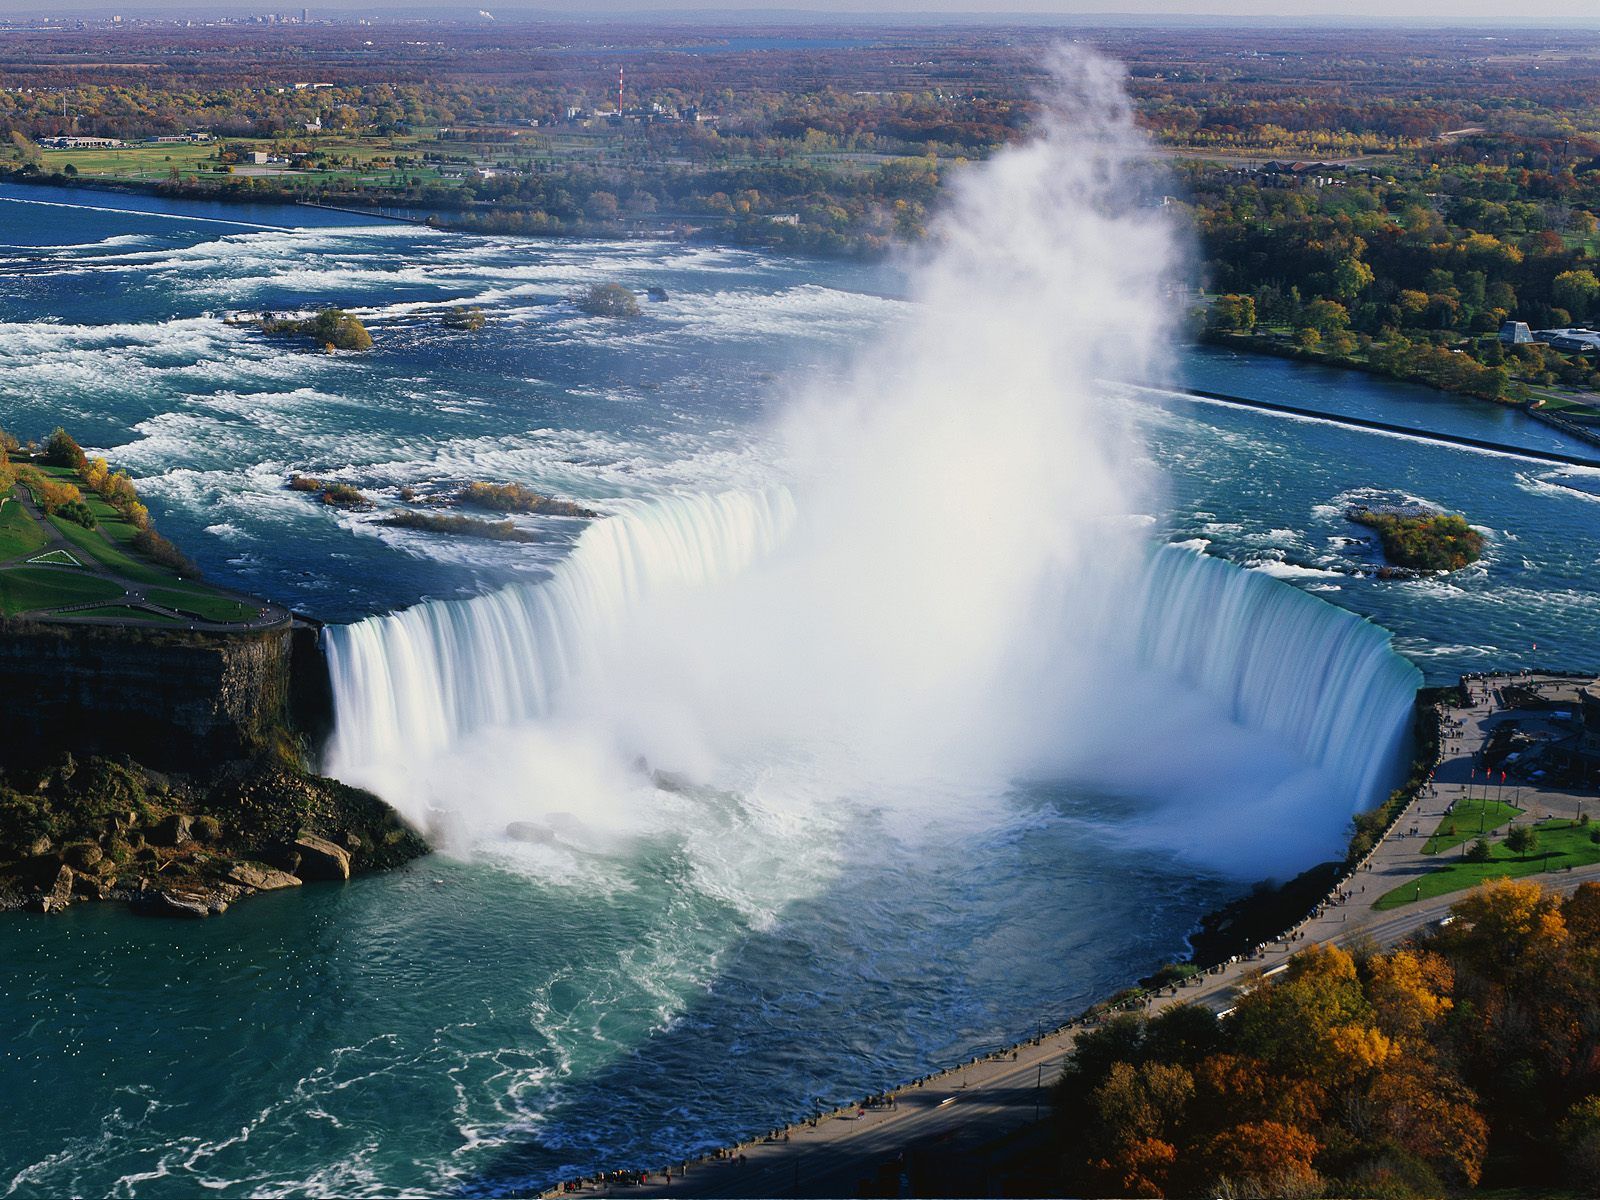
(1541, 12)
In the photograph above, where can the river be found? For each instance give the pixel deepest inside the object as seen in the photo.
(509, 1014)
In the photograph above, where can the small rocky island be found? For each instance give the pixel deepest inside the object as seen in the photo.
(1420, 539)
(607, 300)
(332, 329)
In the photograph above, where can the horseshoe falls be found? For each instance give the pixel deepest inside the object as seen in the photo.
(419, 680)
(1320, 684)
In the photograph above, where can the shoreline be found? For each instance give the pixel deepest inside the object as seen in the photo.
(1258, 909)
(1463, 441)
(970, 1111)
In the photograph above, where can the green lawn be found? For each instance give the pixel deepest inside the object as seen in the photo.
(206, 605)
(110, 544)
(1470, 817)
(126, 612)
(100, 548)
(1561, 844)
(19, 533)
(23, 589)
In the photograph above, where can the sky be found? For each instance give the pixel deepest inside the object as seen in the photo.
(1542, 12)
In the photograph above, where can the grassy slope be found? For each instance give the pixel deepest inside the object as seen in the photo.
(1568, 845)
(126, 612)
(110, 543)
(1469, 817)
(28, 588)
(202, 604)
(19, 533)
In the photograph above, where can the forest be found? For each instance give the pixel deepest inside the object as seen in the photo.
(1462, 1062)
(1379, 199)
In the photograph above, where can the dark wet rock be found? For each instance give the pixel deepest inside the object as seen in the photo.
(320, 859)
(184, 902)
(205, 841)
(261, 878)
(174, 831)
(60, 893)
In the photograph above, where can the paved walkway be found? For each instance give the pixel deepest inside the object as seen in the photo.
(978, 1102)
(134, 594)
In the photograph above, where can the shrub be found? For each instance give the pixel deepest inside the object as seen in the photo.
(468, 320)
(332, 327)
(62, 451)
(608, 300)
(513, 497)
(78, 513)
(155, 547)
(338, 495)
(499, 531)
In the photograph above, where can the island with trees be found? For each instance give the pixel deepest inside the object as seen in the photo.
(332, 329)
(1419, 539)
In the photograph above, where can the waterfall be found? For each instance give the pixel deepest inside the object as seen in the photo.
(413, 683)
(1282, 660)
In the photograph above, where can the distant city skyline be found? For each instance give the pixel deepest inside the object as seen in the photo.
(1434, 12)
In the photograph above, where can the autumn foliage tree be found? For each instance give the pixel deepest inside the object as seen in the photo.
(1464, 1060)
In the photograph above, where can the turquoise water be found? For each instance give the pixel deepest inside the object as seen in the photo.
(489, 1024)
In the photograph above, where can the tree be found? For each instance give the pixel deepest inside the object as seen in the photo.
(1433, 1115)
(1351, 277)
(1576, 291)
(1522, 840)
(1233, 312)
(62, 451)
(1479, 852)
(1409, 991)
(1264, 1158)
(1327, 316)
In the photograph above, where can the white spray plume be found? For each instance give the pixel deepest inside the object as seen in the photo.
(941, 596)
(965, 468)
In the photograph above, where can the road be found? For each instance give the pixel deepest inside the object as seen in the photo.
(974, 1104)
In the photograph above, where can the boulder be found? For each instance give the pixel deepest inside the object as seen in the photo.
(261, 878)
(60, 893)
(174, 831)
(39, 846)
(83, 855)
(320, 859)
(185, 902)
(530, 831)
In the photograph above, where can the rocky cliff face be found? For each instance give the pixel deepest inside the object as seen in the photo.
(175, 701)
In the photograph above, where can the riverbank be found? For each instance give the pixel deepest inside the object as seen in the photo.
(843, 1144)
(973, 1128)
(1408, 431)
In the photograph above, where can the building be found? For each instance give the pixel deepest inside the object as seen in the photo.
(1570, 341)
(1515, 333)
(79, 143)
